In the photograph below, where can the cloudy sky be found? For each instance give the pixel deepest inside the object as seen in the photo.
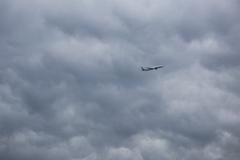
(71, 86)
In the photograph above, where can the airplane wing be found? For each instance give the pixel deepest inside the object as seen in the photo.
(161, 66)
(151, 68)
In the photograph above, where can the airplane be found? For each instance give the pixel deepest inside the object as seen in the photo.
(151, 68)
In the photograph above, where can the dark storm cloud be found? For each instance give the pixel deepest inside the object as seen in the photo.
(71, 87)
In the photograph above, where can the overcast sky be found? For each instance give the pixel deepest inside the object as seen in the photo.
(71, 87)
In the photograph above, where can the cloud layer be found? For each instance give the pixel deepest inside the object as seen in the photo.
(71, 86)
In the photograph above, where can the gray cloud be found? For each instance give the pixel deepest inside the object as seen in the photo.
(71, 87)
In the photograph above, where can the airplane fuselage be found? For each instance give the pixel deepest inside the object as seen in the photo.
(151, 68)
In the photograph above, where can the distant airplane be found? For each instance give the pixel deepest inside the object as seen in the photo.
(151, 68)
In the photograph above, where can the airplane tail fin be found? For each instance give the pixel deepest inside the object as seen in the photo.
(142, 68)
